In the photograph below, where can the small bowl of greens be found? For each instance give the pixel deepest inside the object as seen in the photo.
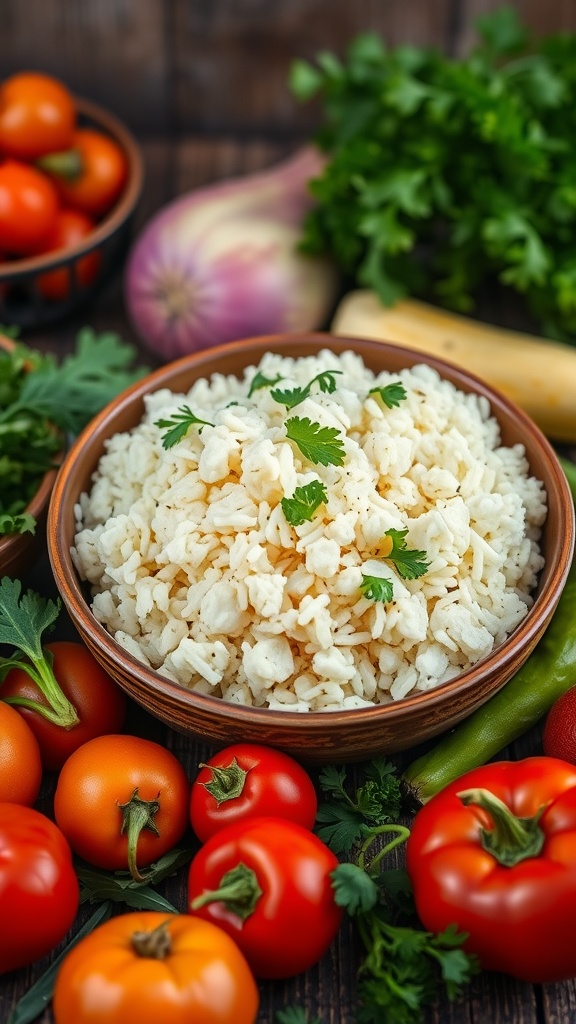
(44, 402)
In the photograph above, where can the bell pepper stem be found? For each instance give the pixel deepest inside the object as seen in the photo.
(512, 839)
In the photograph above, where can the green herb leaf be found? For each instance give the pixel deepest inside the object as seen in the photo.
(294, 1015)
(259, 380)
(305, 501)
(353, 889)
(22, 523)
(391, 394)
(377, 588)
(409, 562)
(318, 444)
(347, 817)
(293, 397)
(178, 425)
(38, 996)
(25, 618)
(120, 887)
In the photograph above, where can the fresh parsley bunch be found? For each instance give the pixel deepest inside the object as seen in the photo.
(443, 174)
(41, 401)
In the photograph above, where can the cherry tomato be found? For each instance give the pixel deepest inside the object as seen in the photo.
(102, 175)
(37, 115)
(155, 968)
(100, 704)
(122, 801)
(39, 892)
(28, 207)
(250, 780)
(266, 881)
(70, 228)
(20, 764)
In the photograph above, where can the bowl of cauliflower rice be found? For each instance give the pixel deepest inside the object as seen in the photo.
(330, 545)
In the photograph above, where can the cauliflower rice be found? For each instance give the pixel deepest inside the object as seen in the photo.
(195, 570)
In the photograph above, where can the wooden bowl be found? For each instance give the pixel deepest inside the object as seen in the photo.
(316, 737)
(21, 301)
(18, 550)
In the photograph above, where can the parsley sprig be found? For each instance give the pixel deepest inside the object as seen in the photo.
(260, 380)
(445, 173)
(404, 966)
(391, 394)
(290, 398)
(410, 564)
(318, 444)
(305, 501)
(177, 426)
(42, 399)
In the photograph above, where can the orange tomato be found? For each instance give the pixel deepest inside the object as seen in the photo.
(102, 175)
(151, 967)
(37, 115)
(20, 763)
(28, 207)
(71, 227)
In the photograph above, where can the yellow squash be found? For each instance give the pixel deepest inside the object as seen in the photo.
(538, 374)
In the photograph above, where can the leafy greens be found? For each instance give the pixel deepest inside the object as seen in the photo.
(445, 174)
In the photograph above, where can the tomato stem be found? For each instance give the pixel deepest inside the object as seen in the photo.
(155, 944)
(137, 814)
(239, 891)
(227, 782)
(512, 839)
(67, 164)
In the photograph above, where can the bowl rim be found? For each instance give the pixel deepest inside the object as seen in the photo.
(112, 220)
(534, 621)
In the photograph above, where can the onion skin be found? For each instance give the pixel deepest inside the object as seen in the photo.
(221, 263)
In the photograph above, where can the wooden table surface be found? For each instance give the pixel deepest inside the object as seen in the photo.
(328, 991)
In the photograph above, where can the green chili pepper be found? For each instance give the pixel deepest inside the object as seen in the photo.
(528, 696)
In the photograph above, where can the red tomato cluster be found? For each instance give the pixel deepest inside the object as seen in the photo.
(58, 178)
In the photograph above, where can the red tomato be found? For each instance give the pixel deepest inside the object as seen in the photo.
(28, 207)
(100, 704)
(248, 780)
(559, 736)
(155, 968)
(495, 854)
(122, 801)
(37, 115)
(20, 764)
(266, 881)
(39, 892)
(103, 173)
(70, 229)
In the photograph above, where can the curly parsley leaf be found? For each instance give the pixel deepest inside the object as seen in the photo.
(346, 817)
(260, 380)
(323, 445)
(305, 501)
(409, 562)
(290, 398)
(391, 394)
(178, 425)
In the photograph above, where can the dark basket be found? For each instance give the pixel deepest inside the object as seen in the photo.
(21, 302)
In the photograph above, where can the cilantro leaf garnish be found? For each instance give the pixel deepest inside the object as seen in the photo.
(409, 562)
(323, 445)
(344, 818)
(293, 397)
(259, 381)
(377, 588)
(304, 502)
(178, 425)
(391, 394)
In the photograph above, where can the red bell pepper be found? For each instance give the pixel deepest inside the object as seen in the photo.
(495, 853)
